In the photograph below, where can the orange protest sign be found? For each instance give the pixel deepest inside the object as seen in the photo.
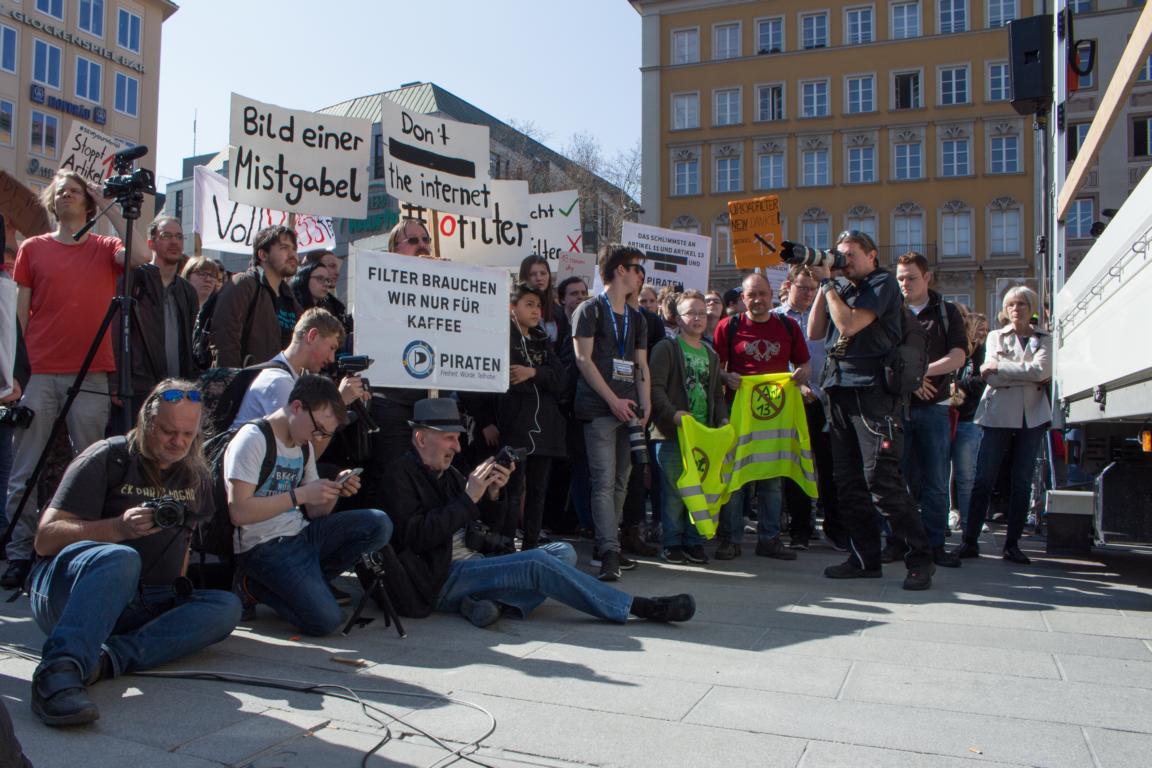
(756, 231)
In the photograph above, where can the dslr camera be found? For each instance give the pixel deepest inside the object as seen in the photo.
(637, 445)
(19, 416)
(167, 512)
(796, 253)
(508, 454)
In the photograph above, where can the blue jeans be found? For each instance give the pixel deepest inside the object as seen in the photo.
(291, 574)
(609, 465)
(927, 441)
(768, 504)
(994, 443)
(523, 580)
(89, 598)
(678, 528)
(965, 450)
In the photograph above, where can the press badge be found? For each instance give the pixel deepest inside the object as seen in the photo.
(622, 370)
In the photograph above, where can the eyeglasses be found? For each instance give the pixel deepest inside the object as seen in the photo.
(325, 280)
(169, 236)
(317, 432)
(176, 395)
(806, 288)
(417, 240)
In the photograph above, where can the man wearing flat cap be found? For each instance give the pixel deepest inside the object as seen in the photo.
(439, 563)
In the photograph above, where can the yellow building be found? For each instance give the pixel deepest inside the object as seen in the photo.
(891, 117)
(97, 61)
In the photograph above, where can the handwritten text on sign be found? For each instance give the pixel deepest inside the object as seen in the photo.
(224, 225)
(752, 217)
(298, 161)
(438, 163)
(556, 228)
(89, 152)
(439, 325)
(673, 258)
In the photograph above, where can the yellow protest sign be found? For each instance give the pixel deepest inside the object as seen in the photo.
(755, 231)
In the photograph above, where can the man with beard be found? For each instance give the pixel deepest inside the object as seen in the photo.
(256, 312)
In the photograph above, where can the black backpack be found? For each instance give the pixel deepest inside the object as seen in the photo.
(222, 391)
(907, 362)
(202, 332)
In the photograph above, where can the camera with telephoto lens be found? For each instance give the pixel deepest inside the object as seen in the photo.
(479, 537)
(796, 253)
(508, 454)
(637, 445)
(167, 512)
(18, 417)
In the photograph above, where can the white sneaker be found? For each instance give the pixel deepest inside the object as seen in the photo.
(954, 519)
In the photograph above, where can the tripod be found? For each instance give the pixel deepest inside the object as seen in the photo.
(370, 563)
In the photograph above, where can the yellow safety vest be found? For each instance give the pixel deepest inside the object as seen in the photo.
(771, 433)
(704, 483)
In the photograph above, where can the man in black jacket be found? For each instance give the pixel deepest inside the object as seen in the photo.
(431, 505)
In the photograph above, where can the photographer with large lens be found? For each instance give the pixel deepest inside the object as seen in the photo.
(109, 589)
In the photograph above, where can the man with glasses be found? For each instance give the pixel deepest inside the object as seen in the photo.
(110, 590)
(410, 238)
(289, 543)
(613, 391)
(859, 319)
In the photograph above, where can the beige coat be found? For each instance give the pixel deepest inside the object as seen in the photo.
(1017, 393)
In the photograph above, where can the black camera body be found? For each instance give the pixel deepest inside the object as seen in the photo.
(126, 182)
(167, 512)
(479, 537)
(19, 416)
(508, 454)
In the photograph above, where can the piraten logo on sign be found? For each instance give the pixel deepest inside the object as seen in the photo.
(767, 400)
(419, 359)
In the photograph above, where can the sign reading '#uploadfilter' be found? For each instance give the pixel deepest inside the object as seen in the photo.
(228, 226)
(434, 325)
(294, 160)
(500, 239)
(89, 152)
(438, 163)
(673, 258)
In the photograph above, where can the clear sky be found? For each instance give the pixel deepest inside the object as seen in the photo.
(566, 66)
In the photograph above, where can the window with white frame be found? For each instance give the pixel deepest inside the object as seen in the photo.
(954, 85)
(814, 165)
(905, 20)
(722, 241)
(727, 175)
(908, 160)
(1083, 56)
(685, 111)
(861, 94)
(861, 165)
(726, 41)
(91, 17)
(906, 90)
(954, 155)
(46, 64)
(816, 232)
(770, 102)
(686, 176)
(44, 134)
(956, 234)
(686, 223)
(7, 119)
(1075, 135)
(127, 95)
(858, 26)
(999, 81)
(89, 75)
(770, 35)
(685, 46)
(862, 222)
(8, 48)
(726, 106)
(1000, 12)
(952, 16)
(770, 170)
(907, 230)
(1004, 154)
(128, 30)
(1141, 137)
(814, 98)
(814, 30)
(1078, 221)
(1004, 232)
(53, 8)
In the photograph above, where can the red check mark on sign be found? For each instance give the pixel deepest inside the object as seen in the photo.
(574, 245)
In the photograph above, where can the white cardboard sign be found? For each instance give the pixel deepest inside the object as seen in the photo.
(499, 241)
(673, 257)
(89, 152)
(556, 228)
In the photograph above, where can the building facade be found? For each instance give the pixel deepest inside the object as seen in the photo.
(891, 117)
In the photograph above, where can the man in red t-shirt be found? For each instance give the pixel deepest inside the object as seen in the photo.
(66, 287)
(751, 343)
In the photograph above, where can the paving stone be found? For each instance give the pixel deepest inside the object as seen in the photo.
(1129, 625)
(1119, 749)
(997, 637)
(1097, 669)
(829, 754)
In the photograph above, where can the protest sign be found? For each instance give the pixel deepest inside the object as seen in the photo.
(577, 264)
(673, 258)
(439, 163)
(228, 226)
(434, 325)
(498, 240)
(89, 152)
(298, 161)
(752, 217)
(21, 208)
(556, 227)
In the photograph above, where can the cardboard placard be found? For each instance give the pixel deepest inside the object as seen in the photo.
(673, 258)
(749, 218)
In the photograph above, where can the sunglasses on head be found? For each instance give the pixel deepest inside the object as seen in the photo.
(176, 395)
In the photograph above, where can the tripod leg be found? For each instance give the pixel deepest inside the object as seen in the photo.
(355, 619)
(385, 604)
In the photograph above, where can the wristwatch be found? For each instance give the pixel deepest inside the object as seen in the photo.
(826, 284)
(292, 496)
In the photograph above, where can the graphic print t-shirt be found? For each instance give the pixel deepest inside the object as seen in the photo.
(696, 380)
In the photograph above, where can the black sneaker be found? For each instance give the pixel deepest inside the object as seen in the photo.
(967, 550)
(726, 550)
(626, 563)
(16, 574)
(944, 558)
(696, 555)
(609, 566)
(774, 548)
(674, 608)
(673, 555)
(894, 550)
(1013, 554)
(919, 578)
(480, 612)
(798, 541)
(849, 569)
(59, 696)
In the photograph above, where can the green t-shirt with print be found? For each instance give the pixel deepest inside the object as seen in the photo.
(696, 379)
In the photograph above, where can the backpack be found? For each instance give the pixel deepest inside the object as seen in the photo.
(202, 332)
(222, 391)
(214, 536)
(907, 362)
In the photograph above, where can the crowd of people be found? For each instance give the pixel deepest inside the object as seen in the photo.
(468, 501)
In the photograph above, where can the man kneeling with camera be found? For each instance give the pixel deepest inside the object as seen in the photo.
(440, 563)
(109, 589)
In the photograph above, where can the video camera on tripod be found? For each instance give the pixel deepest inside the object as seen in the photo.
(127, 181)
(354, 365)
